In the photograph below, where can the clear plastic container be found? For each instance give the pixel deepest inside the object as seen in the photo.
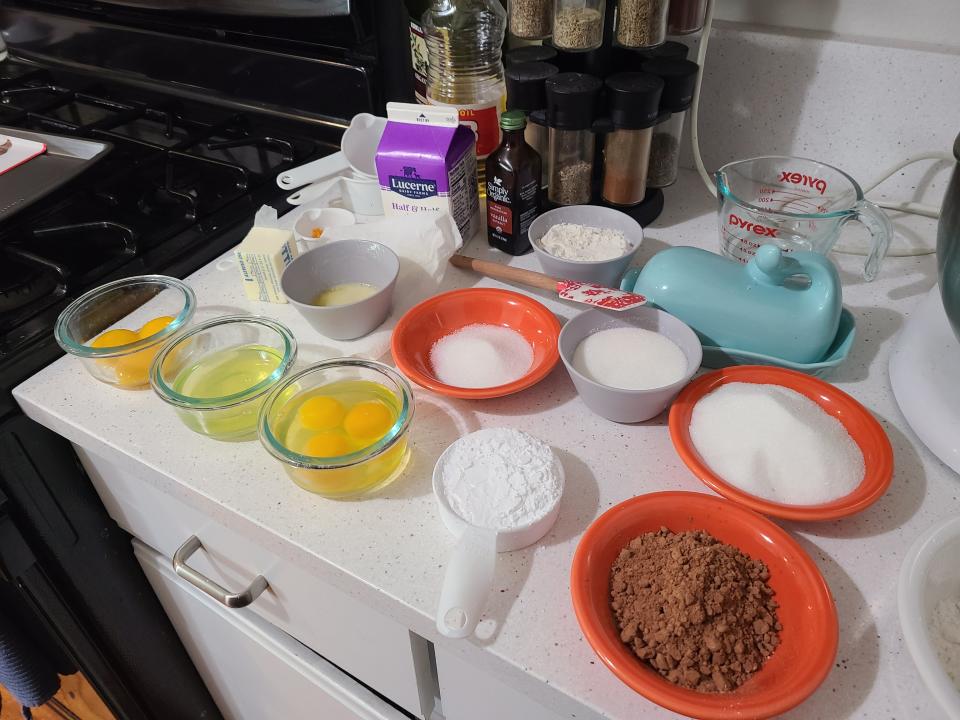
(578, 25)
(114, 328)
(354, 473)
(626, 153)
(641, 23)
(464, 39)
(217, 375)
(686, 16)
(571, 166)
(665, 151)
(526, 90)
(571, 100)
(530, 19)
(537, 135)
(633, 100)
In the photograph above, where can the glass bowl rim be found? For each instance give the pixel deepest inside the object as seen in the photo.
(66, 341)
(171, 396)
(399, 430)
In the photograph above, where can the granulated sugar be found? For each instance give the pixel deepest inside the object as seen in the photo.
(501, 478)
(630, 359)
(481, 356)
(776, 444)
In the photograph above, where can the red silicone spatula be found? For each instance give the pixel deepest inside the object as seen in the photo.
(581, 292)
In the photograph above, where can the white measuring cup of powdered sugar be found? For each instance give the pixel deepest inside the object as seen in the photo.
(522, 479)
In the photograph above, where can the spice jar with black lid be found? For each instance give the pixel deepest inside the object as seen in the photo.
(633, 101)
(578, 25)
(571, 103)
(686, 16)
(526, 91)
(529, 53)
(630, 60)
(530, 19)
(640, 23)
(679, 79)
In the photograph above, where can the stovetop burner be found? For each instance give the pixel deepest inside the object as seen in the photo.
(179, 174)
(21, 284)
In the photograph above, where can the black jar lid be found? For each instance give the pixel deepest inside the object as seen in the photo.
(625, 59)
(525, 85)
(679, 77)
(571, 99)
(670, 49)
(530, 53)
(633, 99)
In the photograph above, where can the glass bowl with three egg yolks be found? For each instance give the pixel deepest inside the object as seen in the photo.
(341, 438)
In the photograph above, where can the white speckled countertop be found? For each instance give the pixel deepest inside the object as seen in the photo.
(390, 550)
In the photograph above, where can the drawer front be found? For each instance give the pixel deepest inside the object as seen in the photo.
(252, 669)
(369, 646)
(468, 693)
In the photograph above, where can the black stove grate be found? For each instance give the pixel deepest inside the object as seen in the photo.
(178, 170)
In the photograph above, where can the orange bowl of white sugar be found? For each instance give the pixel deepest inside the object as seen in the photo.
(781, 443)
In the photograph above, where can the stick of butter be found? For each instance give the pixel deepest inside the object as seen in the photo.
(262, 256)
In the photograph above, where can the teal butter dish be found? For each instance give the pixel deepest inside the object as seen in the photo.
(718, 357)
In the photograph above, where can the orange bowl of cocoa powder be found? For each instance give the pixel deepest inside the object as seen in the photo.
(806, 613)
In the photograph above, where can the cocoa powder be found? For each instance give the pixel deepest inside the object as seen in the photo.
(696, 610)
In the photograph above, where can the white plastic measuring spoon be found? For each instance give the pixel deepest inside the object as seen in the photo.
(358, 150)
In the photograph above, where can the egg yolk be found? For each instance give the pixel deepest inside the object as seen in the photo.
(152, 327)
(326, 444)
(368, 421)
(113, 338)
(134, 370)
(321, 413)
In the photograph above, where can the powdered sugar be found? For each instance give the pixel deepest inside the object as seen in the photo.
(583, 242)
(481, 356)
(501, 478)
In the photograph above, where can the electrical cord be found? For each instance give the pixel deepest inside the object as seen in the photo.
(695, 106)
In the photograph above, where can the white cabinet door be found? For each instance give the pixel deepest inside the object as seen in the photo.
(377, 650)
(253, 669)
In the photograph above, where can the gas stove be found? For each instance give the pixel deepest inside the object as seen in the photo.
(178, 187)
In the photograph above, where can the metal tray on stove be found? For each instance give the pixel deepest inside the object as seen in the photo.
(65, 158)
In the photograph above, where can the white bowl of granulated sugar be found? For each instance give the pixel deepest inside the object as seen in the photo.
(588, 243)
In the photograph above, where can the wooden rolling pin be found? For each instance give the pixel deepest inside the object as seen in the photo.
(586, 293)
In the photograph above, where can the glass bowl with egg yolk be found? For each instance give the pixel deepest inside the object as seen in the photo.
(218, 374)
(117, 329)
(340, 427)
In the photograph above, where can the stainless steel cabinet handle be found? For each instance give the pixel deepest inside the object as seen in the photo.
(214, 590)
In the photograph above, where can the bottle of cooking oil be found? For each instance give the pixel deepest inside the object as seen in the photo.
(464, 69)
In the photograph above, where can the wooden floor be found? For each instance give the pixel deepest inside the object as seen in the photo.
(75, 700)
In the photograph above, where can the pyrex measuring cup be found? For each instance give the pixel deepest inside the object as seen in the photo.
(796, 204)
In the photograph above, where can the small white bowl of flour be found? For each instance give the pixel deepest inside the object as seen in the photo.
(928, 599)
(588, 243)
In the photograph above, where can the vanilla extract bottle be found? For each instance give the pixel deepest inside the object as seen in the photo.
(513, 187)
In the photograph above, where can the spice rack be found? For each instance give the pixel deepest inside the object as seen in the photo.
(602, 40)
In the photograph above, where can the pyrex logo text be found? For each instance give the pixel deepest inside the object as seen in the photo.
(752, 227)
(800, 179)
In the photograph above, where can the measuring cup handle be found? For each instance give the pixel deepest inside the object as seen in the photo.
(881, 232)
(466, 583)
